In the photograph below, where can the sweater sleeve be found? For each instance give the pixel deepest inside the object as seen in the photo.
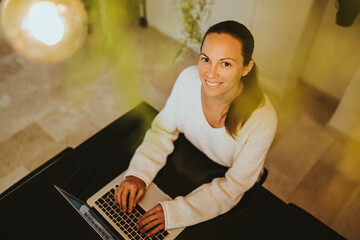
(223, 193)
(152, 153)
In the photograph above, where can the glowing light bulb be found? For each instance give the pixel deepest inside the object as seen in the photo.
(45, 23)
(47, 31)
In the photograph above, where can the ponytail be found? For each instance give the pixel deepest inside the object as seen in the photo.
(245, 104)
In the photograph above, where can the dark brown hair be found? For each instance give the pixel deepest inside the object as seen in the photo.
(245, 104)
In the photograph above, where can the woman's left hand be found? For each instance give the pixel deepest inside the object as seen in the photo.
(152, 221)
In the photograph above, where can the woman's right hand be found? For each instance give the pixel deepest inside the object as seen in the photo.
(129, 193)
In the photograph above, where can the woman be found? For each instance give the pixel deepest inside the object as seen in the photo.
(221, 110)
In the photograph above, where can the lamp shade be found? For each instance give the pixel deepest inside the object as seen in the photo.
(44, 31)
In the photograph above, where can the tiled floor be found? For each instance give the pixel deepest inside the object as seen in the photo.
(43, 110)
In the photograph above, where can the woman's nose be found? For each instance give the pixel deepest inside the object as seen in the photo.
(212, 71)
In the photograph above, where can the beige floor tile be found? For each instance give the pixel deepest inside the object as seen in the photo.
(23, 148)
(323, 192)
(66, 121)
(5, 100)
(295, 103)
(285, 122)
(295, 154)
(345, 157)
(279, 183)
(45, 154)
(24, 86)
(5, 48)
(107, 101)
(85, 111)
(347, 221)
(322, 108)
(305, 100)
(28, 95)
(9, 67)
(12, 120)
(158, 68)
(12, 177)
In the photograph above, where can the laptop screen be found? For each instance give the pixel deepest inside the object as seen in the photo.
(88, 215)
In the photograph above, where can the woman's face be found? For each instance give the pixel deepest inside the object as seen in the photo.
(221, 65)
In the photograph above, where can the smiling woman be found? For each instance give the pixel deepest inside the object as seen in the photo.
(236, 87)
(220, 69)
(221, 110)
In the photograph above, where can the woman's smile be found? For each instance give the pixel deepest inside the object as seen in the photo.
(212, 84)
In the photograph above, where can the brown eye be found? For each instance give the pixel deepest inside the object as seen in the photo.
(205, 59)
(226, 64)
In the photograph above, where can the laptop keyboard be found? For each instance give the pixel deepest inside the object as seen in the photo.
(125, 221)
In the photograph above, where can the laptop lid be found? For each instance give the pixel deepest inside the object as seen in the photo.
(89, 215)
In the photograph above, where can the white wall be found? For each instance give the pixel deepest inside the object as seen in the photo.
(165, 15)
(334, 56)
(346, 118)
(277, 26)
(333, 66)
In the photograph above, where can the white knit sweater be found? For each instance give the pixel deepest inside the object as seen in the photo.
(244, 156)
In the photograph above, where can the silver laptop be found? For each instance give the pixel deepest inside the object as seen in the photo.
(125, 223)
(89, 215)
